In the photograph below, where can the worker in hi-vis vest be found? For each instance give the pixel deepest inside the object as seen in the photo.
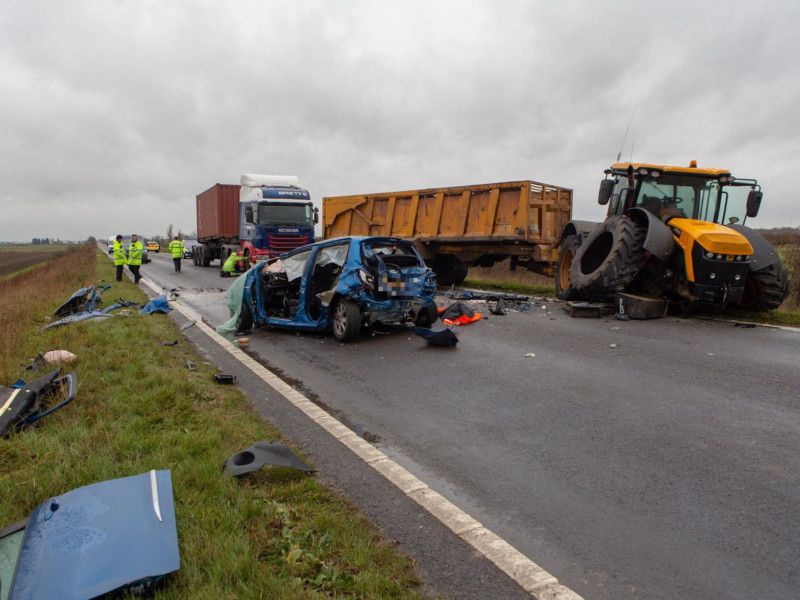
(233, 265)
(135, 252)
(177, 249)
(119, 256)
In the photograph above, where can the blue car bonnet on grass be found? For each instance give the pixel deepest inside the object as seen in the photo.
(340, 284)
(110, 536)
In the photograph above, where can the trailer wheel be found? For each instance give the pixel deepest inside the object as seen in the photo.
(205, 256)
(766, 288)
(449, 270)
(566, 255)
(346, 321)
(609, 259)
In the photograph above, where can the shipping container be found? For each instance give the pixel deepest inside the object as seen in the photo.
(218, 213)
(457, 227)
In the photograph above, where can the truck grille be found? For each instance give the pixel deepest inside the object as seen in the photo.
(278, 244)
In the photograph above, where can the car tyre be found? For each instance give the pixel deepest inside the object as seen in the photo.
(346, 320)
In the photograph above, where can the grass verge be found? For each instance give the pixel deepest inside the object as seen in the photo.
(274, 534)
(510, 286)
(788, 318)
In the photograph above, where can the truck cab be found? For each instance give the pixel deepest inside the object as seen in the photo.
(275, 219)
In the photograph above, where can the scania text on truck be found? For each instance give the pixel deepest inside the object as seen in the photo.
(264, 216)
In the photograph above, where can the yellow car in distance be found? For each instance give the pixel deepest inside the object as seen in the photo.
(153, 247)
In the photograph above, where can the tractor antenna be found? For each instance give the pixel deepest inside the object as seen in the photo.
(628, 128)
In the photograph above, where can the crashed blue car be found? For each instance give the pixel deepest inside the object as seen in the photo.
(342, 285)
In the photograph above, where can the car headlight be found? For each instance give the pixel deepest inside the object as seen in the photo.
(366, 279)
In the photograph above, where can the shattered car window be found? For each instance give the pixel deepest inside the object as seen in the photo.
(398, 253)
(295, 264)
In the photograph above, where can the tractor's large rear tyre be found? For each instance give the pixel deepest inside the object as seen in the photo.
(609, 259)
(566, 255)
(765, 289)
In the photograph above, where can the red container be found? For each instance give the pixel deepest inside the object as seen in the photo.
(218, 212)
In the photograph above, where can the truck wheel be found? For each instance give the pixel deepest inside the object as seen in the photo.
(346, 322)
(461, 272)
(205, 256)
(609, 259)
(566, 254)
(765, 289)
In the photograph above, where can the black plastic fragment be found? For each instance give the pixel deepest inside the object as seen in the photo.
(224, 378)
(263, 453)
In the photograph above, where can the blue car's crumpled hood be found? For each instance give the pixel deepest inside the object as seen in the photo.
(99, 538)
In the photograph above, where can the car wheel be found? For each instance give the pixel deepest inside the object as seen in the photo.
(346, 322)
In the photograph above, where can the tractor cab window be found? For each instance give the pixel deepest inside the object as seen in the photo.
(679, 196)
(733, 204)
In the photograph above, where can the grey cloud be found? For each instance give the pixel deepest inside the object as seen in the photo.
(114, 115)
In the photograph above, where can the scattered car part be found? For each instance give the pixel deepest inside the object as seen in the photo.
(499, 308)
(263, 453)
(59, 357)
(187, 325)
(437, 334)
(20, 405)
(225, 379)
(117, 536)
(119, 303)
(172, 343)
(84, 299)
(77, 318)
(636, 306)
(191, 365)
(158, 304)
(588, 310)
(459, 313)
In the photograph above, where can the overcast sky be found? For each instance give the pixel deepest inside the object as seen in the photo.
(114, 115)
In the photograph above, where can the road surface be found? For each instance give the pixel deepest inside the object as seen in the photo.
(667, 466)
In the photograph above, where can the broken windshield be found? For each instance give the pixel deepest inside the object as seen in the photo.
(396, 253)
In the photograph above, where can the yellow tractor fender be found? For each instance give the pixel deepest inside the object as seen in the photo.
(659, 240)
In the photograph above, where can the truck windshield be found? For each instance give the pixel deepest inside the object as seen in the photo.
(679, 196)
(271, 213)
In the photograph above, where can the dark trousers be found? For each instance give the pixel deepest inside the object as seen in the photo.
(177, 263)
(135, 270)
(119, 271)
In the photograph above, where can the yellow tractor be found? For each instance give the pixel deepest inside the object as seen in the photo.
(677, 233)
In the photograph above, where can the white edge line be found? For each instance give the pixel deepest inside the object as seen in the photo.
(530, 576)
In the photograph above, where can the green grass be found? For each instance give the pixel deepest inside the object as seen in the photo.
(275, 534)
(510, 286)
(789, 318)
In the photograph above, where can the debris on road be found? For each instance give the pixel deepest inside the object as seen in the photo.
(243, 341)
(612, 345)
(437, 334)
(191, 366)
(588, 310)
(158, 304)
(82, 300)
(636, 306)
(530, 355)
(58, 357)
(224, 378)
(499, 308)
(263, 453)
(172, 343)
(94, 540)
(459, 313)
(187, 325)
(119, 303)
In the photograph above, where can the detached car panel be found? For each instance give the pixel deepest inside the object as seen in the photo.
(344, 282)
(114, 536)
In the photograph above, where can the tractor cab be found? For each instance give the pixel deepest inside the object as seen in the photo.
(710, 195)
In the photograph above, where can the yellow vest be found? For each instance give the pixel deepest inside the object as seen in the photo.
(135, 251)
(177, 249)
(119, 253)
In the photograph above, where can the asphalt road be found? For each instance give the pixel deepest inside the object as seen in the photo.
(665, 467)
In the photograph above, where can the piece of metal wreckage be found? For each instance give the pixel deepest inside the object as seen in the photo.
(117, 536)
(21, 405)
(438, 334)
(84, 299)
(263, 453)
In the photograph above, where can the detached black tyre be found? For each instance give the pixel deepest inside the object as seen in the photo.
(346, 321)
(609, 259)
(566, 255)
(766, 288)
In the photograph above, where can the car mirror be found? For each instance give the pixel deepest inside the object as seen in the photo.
(753, 202)
(316, 216)
(606, 188)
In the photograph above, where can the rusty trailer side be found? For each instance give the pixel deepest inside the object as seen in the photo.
(470, 225)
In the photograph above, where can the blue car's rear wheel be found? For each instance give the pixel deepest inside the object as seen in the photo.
(346, 321)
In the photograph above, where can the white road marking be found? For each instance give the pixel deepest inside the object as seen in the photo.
(530, 576)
